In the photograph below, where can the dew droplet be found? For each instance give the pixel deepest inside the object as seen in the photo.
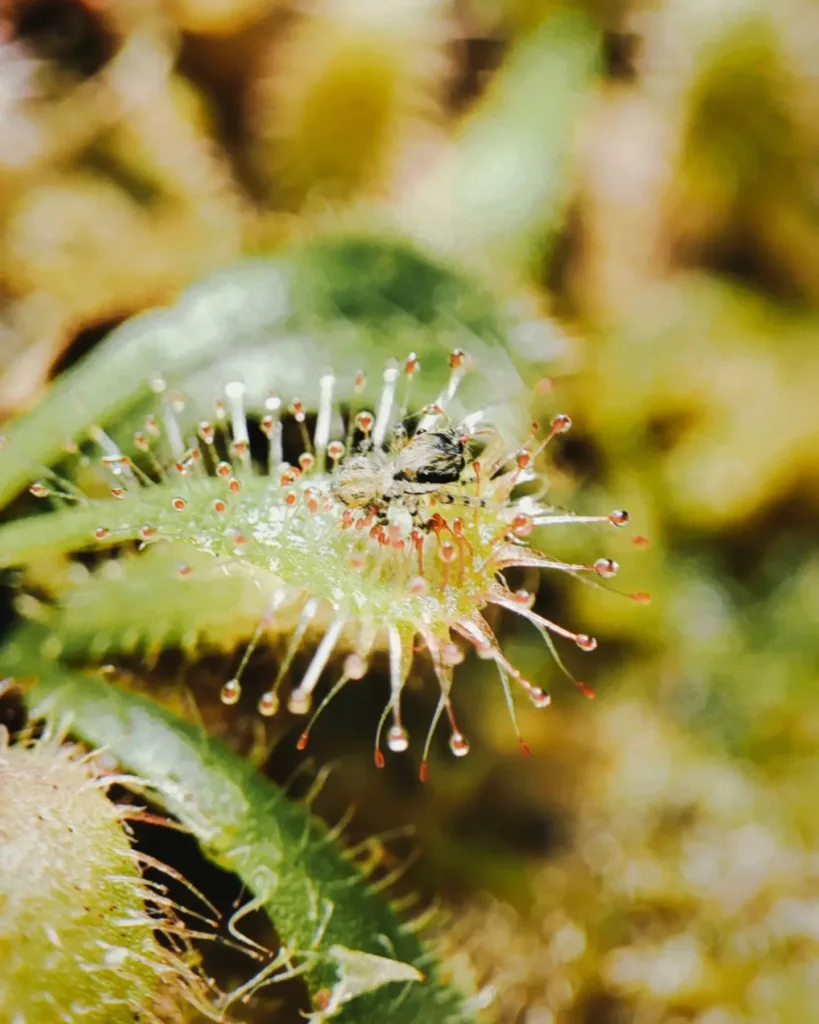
(231, 692)
(459, 744)
(268, 704)
(398, 739)
(606, 567)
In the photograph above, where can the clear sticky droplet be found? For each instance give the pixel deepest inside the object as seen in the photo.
(231, 692)
(459, 744)
(364, 421)
(606, 567)
(522, 525)
(585, 642)
(398, 739)
(268, 704)
(446, 552)
(619, 517)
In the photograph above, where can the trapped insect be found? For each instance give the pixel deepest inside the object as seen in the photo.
(418, 469)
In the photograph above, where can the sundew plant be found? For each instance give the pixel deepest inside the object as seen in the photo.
(329, 456)
(335, 338)
(340, 515)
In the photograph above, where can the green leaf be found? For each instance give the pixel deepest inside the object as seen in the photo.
(329, 918)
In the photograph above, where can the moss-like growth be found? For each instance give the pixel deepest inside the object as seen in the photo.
(78, 942)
